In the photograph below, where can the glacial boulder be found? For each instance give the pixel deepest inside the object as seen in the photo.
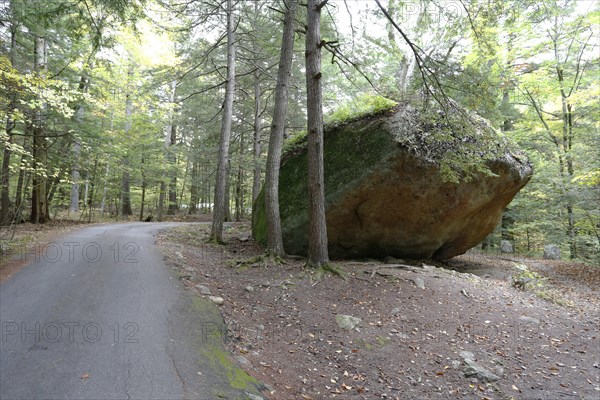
(405, 183)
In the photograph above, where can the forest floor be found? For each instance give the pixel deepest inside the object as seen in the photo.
(453, 330)
(450, 330)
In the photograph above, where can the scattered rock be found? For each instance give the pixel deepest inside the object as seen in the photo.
(347, 322)
(529, 320)
(242, 361)
(249, 288)
(244, 238)
(396, 311)
(506, 247)
(476, 370)
(253, 396)
(465, 293)
(551, 252)
(216, 299)
(419, 282)
(467, 355)
(203, 290)
(179, 256)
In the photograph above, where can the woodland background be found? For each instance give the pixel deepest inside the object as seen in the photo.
(112, 108)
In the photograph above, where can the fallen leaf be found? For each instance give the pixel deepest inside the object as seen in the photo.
(85, 376)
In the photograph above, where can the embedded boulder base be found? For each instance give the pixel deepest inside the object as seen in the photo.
(389, 191)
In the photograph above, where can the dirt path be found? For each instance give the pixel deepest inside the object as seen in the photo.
(421, 329)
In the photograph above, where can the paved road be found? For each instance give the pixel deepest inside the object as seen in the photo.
(98, 315)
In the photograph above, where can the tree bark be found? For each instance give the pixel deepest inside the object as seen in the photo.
(257, 144)
(74, 207)
(143, 189)
(239, 183)
(39, 204)
(223, 157)
(171, 156)
(10, 126)
(317, 234)
(273, 218)
(125, 183)
(194, 188)
(75, 174)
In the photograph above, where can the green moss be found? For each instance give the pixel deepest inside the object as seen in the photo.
(364, 105)
(212, 348)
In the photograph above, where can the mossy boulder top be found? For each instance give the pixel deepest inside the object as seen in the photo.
(406, 183)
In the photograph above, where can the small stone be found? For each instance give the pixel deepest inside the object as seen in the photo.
(551, 252)
(419, 282)
(216, 299)
(253, 396)
(392, 260)
(467, 355)
(203, 290)
(179, 255)
(241, 360)
(396, 311)
(506, 247)
(477, 371)
(243, 238)
(529, 320)
(347, 322)
(249, 288)
(455, 364)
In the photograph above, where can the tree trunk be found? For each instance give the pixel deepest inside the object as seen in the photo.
(143, 189)
(75, 174)
(105, 189)
(257, 144)
(125, 183)
(171, 156)
(227, 213)
(74, 207)
(173, 207)
(22, 169)
(39, 204)
(161, 200)
(194, 189)
(10, 126)
(273, 219)
(216, 233)
(317, 234)
(239, 183)
(90, 199)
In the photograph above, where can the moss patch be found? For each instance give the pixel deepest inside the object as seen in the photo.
(212, 349)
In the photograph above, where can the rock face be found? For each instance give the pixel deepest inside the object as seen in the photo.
(394, 187)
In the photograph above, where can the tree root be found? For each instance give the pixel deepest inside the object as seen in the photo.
(267, 259)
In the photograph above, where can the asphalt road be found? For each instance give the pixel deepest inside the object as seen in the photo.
(98, 315)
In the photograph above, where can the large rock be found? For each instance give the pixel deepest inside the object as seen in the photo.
(401, 184)
(551, 252)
